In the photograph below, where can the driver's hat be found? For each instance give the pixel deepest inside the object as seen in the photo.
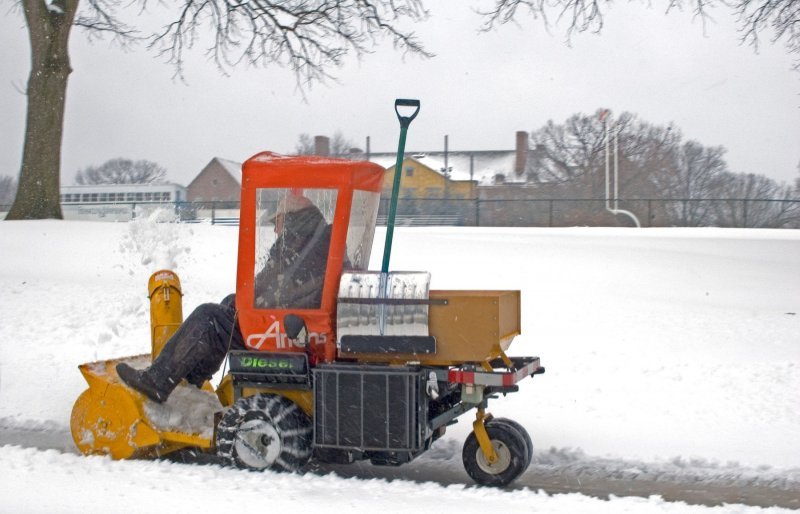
(291, 203)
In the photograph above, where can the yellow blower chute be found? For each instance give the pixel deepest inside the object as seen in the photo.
(111, 419)
(166, 308)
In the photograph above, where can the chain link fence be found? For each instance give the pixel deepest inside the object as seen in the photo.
(549, 212)
(552, 212)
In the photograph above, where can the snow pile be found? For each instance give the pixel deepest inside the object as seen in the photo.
(188, 410)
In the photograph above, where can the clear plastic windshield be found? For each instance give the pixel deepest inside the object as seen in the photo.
(361, 229)
(293, 235)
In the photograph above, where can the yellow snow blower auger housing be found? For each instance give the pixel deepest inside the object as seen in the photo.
(374, 369)
(107, 419)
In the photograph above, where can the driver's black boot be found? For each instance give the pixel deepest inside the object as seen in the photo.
(142, 382)
(194, 352)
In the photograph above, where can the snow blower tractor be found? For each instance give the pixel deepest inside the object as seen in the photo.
(375, 368)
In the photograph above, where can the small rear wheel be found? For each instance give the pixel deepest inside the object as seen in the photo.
(511, 451)
(265, 431)
(524, 433)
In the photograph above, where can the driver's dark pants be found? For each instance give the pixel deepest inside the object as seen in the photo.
(196, 350)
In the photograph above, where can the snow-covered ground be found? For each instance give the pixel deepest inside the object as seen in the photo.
(669, 352)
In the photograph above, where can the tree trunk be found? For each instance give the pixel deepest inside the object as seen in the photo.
(40, 175)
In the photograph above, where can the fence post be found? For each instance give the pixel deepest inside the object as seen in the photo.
(477, 211)
(744, 212)
(649, 213)
(213, 212)
(550, 213)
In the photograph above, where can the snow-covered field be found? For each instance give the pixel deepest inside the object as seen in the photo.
(668, 352)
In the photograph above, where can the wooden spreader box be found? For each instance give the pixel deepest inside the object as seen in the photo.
(468, 327)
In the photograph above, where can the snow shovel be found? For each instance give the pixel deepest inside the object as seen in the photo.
(405, 121)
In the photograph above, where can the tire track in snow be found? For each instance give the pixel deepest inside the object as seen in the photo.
(554, 472)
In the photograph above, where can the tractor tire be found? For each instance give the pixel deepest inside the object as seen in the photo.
(511, 451)
(265, 431)
(524, 433)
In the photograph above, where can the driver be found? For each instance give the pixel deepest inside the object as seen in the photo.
(295, 266)
(292, 278)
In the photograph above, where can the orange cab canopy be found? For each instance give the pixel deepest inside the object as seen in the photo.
(333, 205)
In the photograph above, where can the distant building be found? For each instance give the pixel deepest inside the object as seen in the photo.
(219, 181)
(457, 174)
(119, 202)
(426, 175)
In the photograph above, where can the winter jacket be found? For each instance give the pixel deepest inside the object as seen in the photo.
(295, 269)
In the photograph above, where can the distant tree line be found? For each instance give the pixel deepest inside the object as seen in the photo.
(568, 161)
(654, 162)
(113, 171)
(122, 171)
(8, 188)
(339, 145)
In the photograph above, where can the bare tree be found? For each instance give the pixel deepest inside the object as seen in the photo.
(797, 184)
(8, 187)
(49, 26)
(339, 145)
(308, 38)
(654, 163)
(694, 177)
(781, 17)
(756, 201)
(573, 155)
(305, 145)
(122, 171)
(569, 154)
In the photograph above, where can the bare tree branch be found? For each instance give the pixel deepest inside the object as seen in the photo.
(308, 37)
(755, 17)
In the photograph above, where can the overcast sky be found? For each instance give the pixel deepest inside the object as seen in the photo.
(479, 89)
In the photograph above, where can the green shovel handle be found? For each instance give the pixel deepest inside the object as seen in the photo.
(405, 121)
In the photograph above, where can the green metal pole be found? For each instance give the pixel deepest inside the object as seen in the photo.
(405, 121)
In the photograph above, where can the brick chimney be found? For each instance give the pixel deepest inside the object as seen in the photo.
(322, 146)
(522, 152)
